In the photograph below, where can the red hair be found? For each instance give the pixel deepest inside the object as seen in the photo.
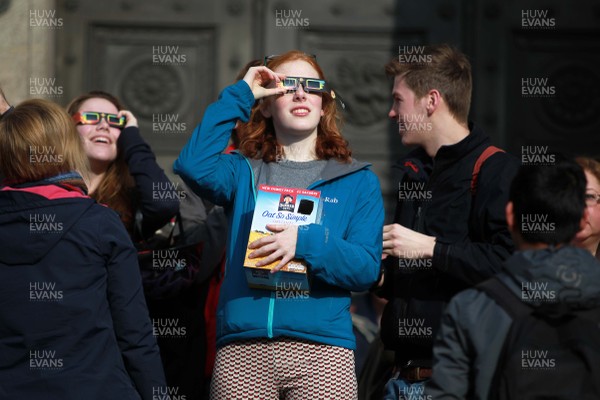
(257, 136)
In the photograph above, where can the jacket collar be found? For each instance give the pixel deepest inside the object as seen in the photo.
(332, 170)
(451, 153)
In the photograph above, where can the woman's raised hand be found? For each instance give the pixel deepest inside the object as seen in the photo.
(258, 78)
(130, 120)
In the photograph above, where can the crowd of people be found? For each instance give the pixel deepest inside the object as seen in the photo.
(487, 267)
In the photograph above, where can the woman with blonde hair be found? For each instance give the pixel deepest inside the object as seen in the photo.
(74, 320)
(271, 346)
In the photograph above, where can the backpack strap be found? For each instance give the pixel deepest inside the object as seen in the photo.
(505, 298)
(487, 153)
(517, 310)
(569, 330)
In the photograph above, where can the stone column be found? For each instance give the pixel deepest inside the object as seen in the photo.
(28, 31)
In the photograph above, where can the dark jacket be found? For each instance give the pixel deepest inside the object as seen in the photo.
(474, 327)
(156, 197)
(472, 239)
(73, 320)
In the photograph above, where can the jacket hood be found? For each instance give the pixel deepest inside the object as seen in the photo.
(565, 275)
(34, 220)
(332, 170)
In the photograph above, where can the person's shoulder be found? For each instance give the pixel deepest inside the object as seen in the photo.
(471, 304)
(364, 172)
(503, 157)
(106, 216)
(498, 169)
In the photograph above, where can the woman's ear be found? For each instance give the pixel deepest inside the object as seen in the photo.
(265, 108)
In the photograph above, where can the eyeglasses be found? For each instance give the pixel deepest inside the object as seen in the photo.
(310, 85)
(94, 118)
(274, 56)
(591, 199)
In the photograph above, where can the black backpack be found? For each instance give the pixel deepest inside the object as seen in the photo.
(550, 352)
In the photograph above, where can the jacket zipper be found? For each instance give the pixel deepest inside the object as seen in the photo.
(272, 298)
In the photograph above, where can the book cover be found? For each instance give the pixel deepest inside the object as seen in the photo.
(281, 205)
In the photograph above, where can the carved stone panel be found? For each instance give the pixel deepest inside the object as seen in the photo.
(164, 75)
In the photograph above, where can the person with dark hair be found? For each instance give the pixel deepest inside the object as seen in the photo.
(74, 320)
(449, 231)
(270, 346)
(589, 237)
(124, 174)
(555, 280)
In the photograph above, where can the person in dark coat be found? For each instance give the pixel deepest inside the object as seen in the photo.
(74, 322)
(545, 272)
(449, 231)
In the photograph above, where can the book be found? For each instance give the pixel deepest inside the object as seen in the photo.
(281, 205)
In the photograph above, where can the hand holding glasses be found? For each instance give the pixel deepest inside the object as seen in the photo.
(310, 85)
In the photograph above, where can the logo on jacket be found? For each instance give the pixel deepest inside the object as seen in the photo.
(332, 200)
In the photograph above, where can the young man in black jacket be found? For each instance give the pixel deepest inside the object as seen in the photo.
(449, 231)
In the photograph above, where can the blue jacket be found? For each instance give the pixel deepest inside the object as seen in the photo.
(343, 252)
(73, 320)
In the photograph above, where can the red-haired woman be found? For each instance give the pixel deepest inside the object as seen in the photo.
(124, 172)
(272, 346)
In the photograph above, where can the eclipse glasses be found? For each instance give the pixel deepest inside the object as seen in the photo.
(94, 118)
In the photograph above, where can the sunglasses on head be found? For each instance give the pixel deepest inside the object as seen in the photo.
(94, 118)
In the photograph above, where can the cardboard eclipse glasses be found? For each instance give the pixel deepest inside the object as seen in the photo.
(94, 118)
(309, 85)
